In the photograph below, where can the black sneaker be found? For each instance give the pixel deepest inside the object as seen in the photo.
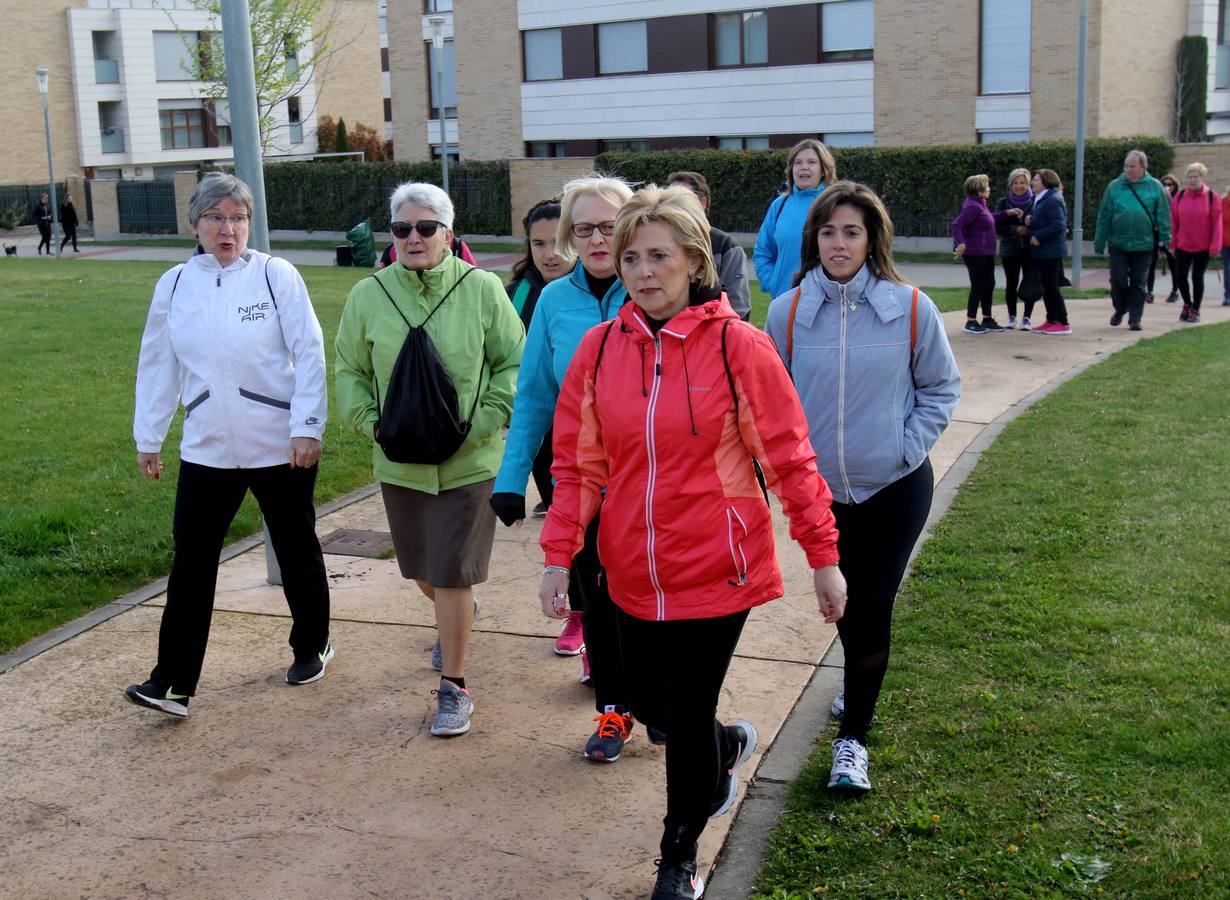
(972, 327)
(656, 737)
(677, 881)
(305, 671)
(991, 325)
(539, 511)
(153, 695)
(1115, 318)
(728, 782)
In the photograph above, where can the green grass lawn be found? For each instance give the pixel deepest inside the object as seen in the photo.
(1056, 718)
(79, 526)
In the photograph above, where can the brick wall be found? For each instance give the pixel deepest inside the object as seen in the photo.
(926, 72)
(488, 48)
(106, 208)
(1140, 48)
(1215, 156)
(531, 180)
(348, 82)
(185, 187)
(408, 72)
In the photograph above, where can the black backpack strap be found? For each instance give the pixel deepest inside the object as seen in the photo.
(602, 349)
(730, 380)
(176, 284)
(268, 284)
(437, 306)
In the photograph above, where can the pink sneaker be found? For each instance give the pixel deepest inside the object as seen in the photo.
(586, 678)
(1054, 328)
(571, 641)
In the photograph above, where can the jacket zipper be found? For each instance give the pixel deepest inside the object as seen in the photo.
(220, 311)
(652, 451)
(841, 399)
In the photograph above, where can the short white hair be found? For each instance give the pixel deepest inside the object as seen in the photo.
(425, 195)
(1140, 155)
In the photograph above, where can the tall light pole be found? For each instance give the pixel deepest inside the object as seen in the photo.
(245, 120)
(1078, 204)
(437, 41)
(41, 72)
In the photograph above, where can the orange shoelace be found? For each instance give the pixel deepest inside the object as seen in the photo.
(612, 724)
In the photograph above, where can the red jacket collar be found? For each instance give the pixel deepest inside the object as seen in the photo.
(632, 319)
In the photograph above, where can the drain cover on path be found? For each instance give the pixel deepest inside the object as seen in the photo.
(353, 542)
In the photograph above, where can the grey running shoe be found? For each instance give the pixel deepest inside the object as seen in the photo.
(728, 782)
(679, 881)
(153, 695)
(453, 709)
(837, 708)
(305, 671)
(437, 654)
(849, 772)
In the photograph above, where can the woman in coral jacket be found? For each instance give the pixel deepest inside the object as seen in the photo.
(667, 408)
(1195, 235)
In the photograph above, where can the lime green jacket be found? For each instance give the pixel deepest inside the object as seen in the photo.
(479, 338)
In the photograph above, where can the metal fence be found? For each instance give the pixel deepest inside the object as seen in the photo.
(146, 207)
(25, 197)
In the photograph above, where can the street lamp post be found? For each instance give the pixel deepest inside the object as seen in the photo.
(41, 72)
(437, 41)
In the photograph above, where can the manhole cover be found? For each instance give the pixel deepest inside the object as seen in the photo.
(353, 542)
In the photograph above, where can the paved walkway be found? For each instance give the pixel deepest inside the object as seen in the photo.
(338, 789)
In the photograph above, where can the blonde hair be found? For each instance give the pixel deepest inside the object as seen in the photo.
(828, 165)
(1197, 167)
(679, 210)
(614, 191)
(1012, 176)
(976, 184)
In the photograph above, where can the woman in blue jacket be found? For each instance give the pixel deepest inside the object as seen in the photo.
(871, 362)
(1048, 245)
(567, 308)
(810, 168)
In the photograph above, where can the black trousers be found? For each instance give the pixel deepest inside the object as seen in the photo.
(1014, 266)
(44, 233)
(875, 540)
(1158, 254)
(1127, 281)
(542, 470)
(587, 592)
(1191, 293)
(675, 670)
(981, 285)
(1050, 271)
(206, 501)
(70, 234)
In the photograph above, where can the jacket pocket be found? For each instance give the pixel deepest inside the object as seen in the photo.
(736, 531)
(195, 403)
(261, 398)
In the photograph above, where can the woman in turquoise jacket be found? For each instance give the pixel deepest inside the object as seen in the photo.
(810, 168)
(567, 308)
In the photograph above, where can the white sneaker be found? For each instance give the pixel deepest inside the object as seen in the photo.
(1011, 323)
(837, 708)
(849, 772)
(1025, 326)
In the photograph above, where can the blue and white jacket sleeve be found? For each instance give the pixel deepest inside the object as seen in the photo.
(937, 383)
(764, 255)
(533, 409)
(301, 331)
(158, 384)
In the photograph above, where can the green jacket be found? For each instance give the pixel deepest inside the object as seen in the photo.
(475, 323)
(1123, 221)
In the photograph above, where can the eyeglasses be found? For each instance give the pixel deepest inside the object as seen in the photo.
(213, 220)
(426, 228)
(585, 229)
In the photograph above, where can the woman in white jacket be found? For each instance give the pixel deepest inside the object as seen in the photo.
(232, 334)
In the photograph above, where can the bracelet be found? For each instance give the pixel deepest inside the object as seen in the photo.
(563, 570)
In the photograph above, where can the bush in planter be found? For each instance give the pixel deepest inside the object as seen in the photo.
(11, 216)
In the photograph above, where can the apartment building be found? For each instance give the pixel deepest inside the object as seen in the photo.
(576, 77)
(123, 103)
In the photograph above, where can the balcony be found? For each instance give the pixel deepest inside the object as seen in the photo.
(113, 140)
(107, 71)
(296, 133)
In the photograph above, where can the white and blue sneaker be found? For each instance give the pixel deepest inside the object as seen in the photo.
(837, 708)
(849, 772)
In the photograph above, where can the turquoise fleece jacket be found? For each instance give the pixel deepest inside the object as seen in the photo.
(565, 311)
(779, 245)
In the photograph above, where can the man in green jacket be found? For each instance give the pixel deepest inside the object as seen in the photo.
(1134, 220)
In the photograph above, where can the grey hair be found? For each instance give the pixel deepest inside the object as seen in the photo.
(212, 190)
(1139, 154)
(425, 195)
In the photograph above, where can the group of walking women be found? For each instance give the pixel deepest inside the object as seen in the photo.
(616, 354)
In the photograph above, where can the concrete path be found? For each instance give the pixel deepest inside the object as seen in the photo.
(337, 788)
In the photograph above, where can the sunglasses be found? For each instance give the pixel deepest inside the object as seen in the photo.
(426, 228)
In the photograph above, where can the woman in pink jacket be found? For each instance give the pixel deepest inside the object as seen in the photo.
(663, 414)
(1195, 226)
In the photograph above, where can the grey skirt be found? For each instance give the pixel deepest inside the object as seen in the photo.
(443, 539)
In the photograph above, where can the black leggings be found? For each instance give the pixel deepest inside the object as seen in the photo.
(875, 540)
(1013, 267)
(1153, 260)
(1197, 262)
(675, 670)
(206, 501)
(587, 592)
(1050, 271)
(981, 285)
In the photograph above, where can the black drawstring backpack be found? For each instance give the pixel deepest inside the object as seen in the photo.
(419, 421)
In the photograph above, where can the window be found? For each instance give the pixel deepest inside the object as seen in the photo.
(847, 30)
(437, 6)
(106, 51)
(182, 124)
(448, 79)
(741, 39)
(543, 149)
(544, 54)
(640, 145)
(173, 58)
(760, 142)
(1004, 61)
(222, 122)
(294, 120)
(1221, 77)
(290, 50)
(1002, 137)
(622, 47)
(849, 138)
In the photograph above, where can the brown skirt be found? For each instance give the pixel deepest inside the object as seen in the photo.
(443, 539)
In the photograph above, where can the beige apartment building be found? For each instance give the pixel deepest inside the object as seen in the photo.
(576, 77)
(121, 106)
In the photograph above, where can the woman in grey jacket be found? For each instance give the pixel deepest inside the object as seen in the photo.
(872, 365)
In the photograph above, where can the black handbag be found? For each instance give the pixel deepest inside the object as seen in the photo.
(1030, 288)
(419, 421)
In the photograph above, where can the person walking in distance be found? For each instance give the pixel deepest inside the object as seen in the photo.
(1196, 234)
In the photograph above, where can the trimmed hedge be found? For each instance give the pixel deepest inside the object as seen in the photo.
(336, 196)
(921, 186)
(1193, 90)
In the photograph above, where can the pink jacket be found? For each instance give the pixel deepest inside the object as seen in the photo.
(1195, 221)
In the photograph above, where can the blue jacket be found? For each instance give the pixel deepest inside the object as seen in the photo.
(873, 417)
(1050, 226)
(779, 245)
(565, 311)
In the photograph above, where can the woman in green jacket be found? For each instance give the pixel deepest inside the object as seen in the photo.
(438, 515)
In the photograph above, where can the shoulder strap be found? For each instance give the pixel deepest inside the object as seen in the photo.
(176, 284)
(437, 306)
(780, 206)
(1152, 220)
(913, 325)
(521, 294)
(794, 308)
(272, 295)
(602, 348)
(730, 381)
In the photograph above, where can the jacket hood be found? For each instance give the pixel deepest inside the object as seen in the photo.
(209, 262)
(864, 287)
(681, 325)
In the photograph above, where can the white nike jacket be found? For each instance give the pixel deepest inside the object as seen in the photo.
(243, 349)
